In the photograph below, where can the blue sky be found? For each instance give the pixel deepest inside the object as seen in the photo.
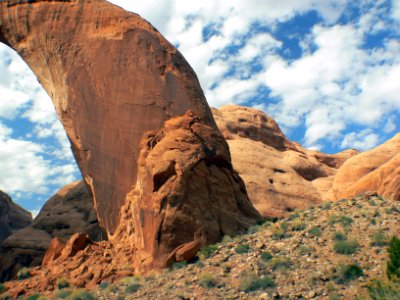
(327, 71)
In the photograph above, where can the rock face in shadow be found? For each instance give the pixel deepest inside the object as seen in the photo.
(279, 175)
(111, 76)
(12, 217)
(69, 211)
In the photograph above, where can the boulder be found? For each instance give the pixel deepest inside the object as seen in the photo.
(76, 243)
(53, 251)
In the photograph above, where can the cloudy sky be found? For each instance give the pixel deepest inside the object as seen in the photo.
(327, 71)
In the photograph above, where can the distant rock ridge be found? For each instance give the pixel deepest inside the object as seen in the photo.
(12, 217)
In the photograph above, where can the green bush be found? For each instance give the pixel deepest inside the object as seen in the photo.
(348, 272)
(207, 251)
(315, 231)
(345, 221)
(62, 283)
(298, 225)
(339, 236)
(250, 283)
(243, 248)
(33, 297)
(132, 288)
(63, 294)
(278, 234)
(179, 265)
(2, 288)
(293, 216)
(81, 295)
(346, 247)
(326, 206)
(393, 265)
(207, 280)
(280, 263)
(378, 290)
(379, 238)
(23, 274)
(266, 256)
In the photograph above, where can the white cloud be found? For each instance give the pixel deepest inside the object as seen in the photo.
(390, 125)
(396, 9)
(363, 140)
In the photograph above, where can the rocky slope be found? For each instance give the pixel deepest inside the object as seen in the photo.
(12, 217)
(304, 256)
(69, 211)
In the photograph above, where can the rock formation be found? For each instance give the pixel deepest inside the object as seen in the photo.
(374, 170)
(115, 82)
(69, 211)
(279, 175)
(12, 217)
(111, 76)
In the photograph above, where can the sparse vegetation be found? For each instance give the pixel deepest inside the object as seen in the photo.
(379, 290)
(133, 288)
(348, 272)
(278, 234)
(179, 265)
(393, 265)
(346, 247)
(345, 221)
(207, 251)
(80, 294)
(315, 231)
(280, 263)
(251, 282)
(62, 283)
(242, 248)
(339, 236)
(266, 256)
(23, 274)
(207, 280)
(298, 225)
(379, 238)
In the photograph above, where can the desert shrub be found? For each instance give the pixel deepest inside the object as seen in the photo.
(378, 290)
(179, 265)
(2, 288)
(344, 221)
(372, 202)
(207, 251)
(326, 206)
(243, 248)
(303, 249)
(393, 265)
(226, 239)
(348, 272)
(81, 295)
(62, 283)
(379, 238)
(132, 288)
(339, 236)
(278, 234)
(130, 280)
(298, 225)
(335, 297)
(251, 282)
(293, 216)
(266, 256)
(207, 280)
(33, 297)
(346, 247)
(254, 229)
(284, 226)
(63, 294)
(372, 221)
(280, 263)
(315, 231)
(23, 274)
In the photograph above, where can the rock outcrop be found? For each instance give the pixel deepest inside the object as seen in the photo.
(374, 170)
(140, 128)
(68, 212)
(12, 217)
(111, 76)
(280, 175)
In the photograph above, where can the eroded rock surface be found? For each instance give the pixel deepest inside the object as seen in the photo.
(280, 175)
(68, 212)
(111, 76)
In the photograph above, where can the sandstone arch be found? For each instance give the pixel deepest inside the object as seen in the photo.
(115, 81)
